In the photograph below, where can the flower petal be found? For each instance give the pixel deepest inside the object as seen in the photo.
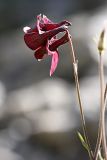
(40, 52)
(30, 30)
(55, 58)
(32, 40)
(45, 24)
(26, 29)
(39, 22)
(58, 42)
(50, 34)
(46, 20)
(50, 26)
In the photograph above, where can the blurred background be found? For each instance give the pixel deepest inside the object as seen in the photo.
(39, 115)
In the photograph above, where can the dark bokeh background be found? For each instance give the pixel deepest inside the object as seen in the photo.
(39, 115)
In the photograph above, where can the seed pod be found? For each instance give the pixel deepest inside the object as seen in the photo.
(101, 43)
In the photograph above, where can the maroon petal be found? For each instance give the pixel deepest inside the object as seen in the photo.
(32, 40)
(66, 23)
(35, 40)
(40, 52)
(59, 42)
(33, 30)
(52, 33)
(45, 24)
(50, 26)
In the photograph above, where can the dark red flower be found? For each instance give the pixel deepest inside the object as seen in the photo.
(42, 38)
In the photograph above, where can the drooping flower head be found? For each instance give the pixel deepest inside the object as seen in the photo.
(43, 39)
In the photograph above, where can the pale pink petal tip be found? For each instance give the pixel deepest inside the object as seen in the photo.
(25, 29)
(55, 58)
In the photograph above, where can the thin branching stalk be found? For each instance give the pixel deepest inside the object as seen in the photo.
(75, 69)
(101, 130)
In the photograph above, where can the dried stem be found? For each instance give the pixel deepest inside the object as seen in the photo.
(75, 68)
(99, 138)
(103, 106)
(101, 130)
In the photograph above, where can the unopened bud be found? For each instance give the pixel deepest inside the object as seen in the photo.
(101, 42)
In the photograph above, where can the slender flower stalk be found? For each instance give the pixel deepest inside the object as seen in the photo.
(75, 68)
(101, 131)
(102, 107)
(101, 135)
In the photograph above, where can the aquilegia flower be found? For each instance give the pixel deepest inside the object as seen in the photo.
(43, 39)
